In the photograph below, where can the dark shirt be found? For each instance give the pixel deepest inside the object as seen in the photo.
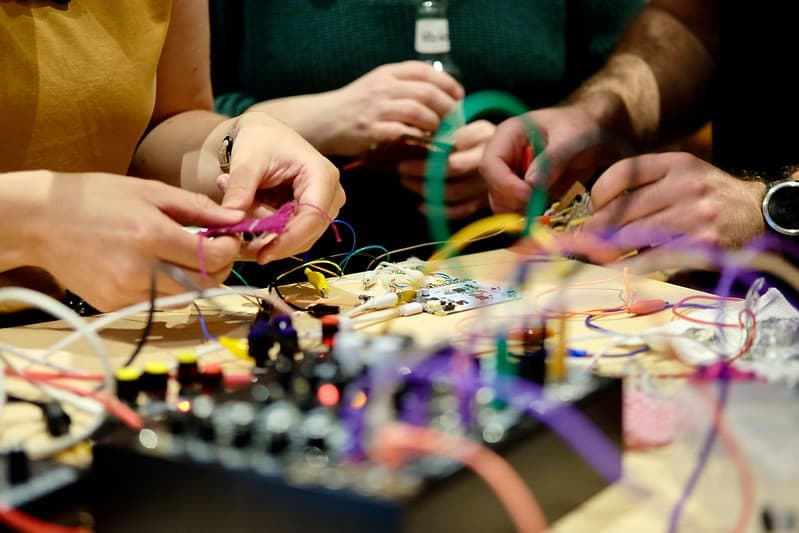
(537, 50)
(756, 97)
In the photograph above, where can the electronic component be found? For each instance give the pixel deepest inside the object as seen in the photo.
(293, 449)
(462, 296)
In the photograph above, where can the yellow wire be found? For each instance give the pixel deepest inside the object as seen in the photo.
(475, 230)
(314, 263)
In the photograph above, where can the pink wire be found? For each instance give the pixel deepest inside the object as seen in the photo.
(395, 442)
(201, 257)
(275, 223)
(324, 214)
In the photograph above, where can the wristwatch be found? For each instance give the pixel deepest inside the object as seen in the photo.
(224, 153)
(781, 207)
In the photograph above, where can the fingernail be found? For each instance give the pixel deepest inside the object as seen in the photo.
(222, 182)
(265, 258)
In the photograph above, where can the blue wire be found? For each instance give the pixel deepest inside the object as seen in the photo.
(203, 325)
(361, 250)
(352, 230)
(590, 325)
(704, 451)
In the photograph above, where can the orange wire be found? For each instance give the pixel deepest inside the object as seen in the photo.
(26, 523)
(597, 311)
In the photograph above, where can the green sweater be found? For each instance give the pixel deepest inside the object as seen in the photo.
(538, 50)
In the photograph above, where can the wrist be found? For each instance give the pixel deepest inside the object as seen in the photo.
(309, 115)
(780, 207)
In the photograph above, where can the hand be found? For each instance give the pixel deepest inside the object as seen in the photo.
(100, 235)
(656, 198)
(466, 191)
(271, 165)
(392, 100)
(575, 146)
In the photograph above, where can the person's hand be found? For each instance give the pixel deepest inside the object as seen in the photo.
(392, 100)
(466, 191)
(575, 145)
(656, 198)
(270, 165)
(99, 235)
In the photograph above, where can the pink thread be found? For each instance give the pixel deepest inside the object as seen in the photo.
(325, 215)
(201, 257)
(275, 223)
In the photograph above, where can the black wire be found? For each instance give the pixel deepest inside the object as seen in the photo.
(149, 325)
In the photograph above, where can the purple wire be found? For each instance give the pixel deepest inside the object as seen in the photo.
(704, 452)
(571, 425)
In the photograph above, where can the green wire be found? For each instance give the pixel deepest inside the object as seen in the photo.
(241, 278)
(435, 178)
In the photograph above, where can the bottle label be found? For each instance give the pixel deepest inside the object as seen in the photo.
(432, 36)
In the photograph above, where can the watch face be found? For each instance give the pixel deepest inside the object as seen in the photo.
(781, 207)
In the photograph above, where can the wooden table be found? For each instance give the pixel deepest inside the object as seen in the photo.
(663, 471)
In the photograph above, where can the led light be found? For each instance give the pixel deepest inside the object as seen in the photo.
(359, 401)
(328, 395)
(184, 406)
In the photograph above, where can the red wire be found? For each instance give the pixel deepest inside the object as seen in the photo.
(739, 460)
(395, 441)
(34, 375)
(750, 335)
(325, 215)
(111, 403)
(25, 523)
(676, 307)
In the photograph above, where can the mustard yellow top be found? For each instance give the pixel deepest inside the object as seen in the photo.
(77, 90)
(78, 82)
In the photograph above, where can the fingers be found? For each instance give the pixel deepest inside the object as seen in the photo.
(503, 153)
(429, 95)
(461, 210)
(634, 205)
(469, 146)
(308, 224)
(390, 131)
(173, 244)
(300, 234)
(632, 173)
(411, 113)
(189, 207)
(473, 135)
(416, 70)
(457, 190)
(243, 182)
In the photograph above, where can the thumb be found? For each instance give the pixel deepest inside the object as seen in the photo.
(241, 187)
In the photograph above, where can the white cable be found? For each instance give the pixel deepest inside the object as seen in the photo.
(168, 301)
(384, 301)
(61, 311)
(64, 442)
(408, 309)
(37, 360)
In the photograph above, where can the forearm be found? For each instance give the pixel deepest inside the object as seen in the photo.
(308, 115)
(183, 151)
(23, 196)
(655, 84)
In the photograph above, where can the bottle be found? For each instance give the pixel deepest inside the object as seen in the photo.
(432, 36)
(433, 47)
